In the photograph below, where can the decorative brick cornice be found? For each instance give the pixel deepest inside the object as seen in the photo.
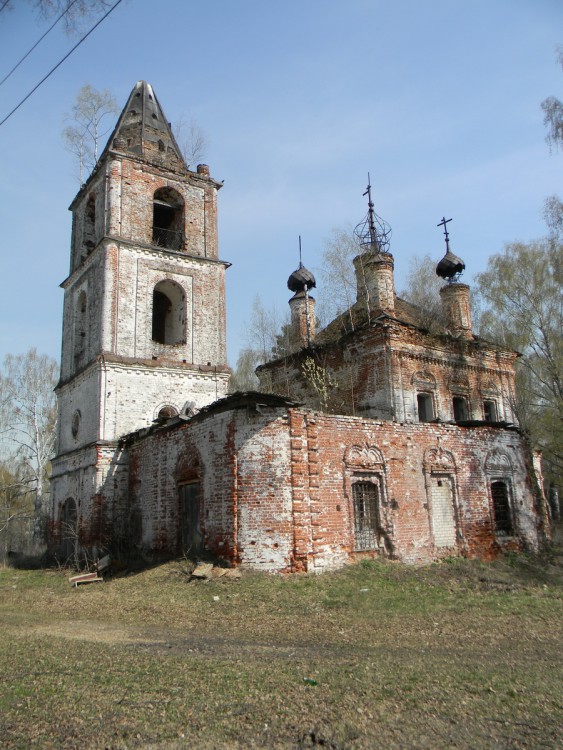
(447, 362)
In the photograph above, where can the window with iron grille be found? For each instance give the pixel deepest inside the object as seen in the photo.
(501, 509)
(365, 496)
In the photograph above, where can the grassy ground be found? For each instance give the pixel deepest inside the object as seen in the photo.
(379, 655)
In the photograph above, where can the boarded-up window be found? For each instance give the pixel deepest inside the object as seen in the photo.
(191, 541)
(443, 517)
(365, 496)
(501, 509)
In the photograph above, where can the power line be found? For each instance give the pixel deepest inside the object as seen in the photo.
(15, 109)
(38, 41)
(4, 5)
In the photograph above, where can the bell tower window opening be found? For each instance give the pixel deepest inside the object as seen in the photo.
(168, 219)
(365, 499)
(502, 513)
(80, 324)
(168, 314)
(89, 234)
(461, 413)
(425, 407)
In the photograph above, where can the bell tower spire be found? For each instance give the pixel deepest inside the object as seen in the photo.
(143, 130)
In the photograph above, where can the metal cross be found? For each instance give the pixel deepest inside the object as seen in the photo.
(372, 234)
(446, 235)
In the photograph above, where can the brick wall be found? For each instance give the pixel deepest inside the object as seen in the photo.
(277, 487)
(378, 370)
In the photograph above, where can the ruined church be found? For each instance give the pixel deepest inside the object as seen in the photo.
(377, 436)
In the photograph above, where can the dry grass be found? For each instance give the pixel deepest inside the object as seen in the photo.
(460, 654)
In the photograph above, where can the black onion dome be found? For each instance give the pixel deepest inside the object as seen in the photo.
(301, 280)
(450, 266)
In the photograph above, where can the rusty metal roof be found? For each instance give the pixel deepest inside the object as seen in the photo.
(301, 280)
(450, 267)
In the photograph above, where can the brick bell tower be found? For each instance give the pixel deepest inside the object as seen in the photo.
(144, 305)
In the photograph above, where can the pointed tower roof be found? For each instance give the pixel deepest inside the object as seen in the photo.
(143, 130)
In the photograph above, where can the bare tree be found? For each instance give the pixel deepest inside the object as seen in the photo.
(423, 290)
(553, 119)
(28, 419)
(553, 114)
(522, 287)
(191, 139)
(264, 329)
(82, 138)
(244, 377)
(337, 291)
(74, 14)
(320, 382)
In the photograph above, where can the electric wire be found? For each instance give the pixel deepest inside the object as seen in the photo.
(68, 54)
(27, 54)
(4, 5)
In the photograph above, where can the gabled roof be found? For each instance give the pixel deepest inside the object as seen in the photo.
(253, 401)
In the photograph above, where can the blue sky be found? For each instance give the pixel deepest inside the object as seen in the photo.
(438, 100)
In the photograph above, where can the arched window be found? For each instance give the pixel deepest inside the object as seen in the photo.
(502, 513)
(167, 411)
(168, 219)
(168, 313)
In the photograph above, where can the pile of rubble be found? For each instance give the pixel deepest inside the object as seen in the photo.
(208, 571)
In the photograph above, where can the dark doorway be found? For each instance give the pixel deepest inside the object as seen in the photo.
(191, 540)
(69, 529)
